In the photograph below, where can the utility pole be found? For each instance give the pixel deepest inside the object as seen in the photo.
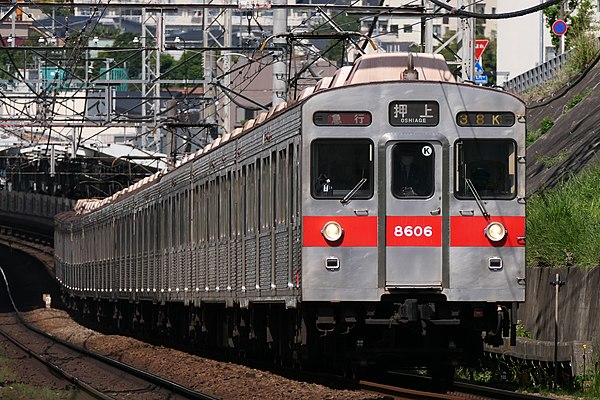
(209, 109)
(557, 283)
(279, 67)
(151, 72)
(428, 27)
(225, 114)
(466, 43)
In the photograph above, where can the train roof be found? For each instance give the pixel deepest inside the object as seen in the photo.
(390, 67)
(378, 67)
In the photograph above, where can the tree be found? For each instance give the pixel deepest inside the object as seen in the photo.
(335, 50)
(579, 19)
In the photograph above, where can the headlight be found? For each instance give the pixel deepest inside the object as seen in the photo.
(332, 231)
(495, 231)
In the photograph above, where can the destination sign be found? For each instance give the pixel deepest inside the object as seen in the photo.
(485, 119)
(414, 113)
(343, 118)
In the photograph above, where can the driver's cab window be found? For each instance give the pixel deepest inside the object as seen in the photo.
(339, 166)
(412, 170)
(486, 167)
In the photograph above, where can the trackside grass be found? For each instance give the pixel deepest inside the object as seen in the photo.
(12, 389)
(563, 224)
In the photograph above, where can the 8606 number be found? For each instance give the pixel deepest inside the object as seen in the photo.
(416, 230)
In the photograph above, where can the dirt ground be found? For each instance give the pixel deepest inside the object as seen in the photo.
(220, 379)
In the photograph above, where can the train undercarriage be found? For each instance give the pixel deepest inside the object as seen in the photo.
(348, 338)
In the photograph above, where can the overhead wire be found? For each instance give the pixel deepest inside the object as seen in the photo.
(74, 52)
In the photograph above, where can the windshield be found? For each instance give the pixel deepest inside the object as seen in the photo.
(491, 167)
(412, 170)
(339, 165)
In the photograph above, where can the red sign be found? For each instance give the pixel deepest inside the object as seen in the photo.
(480, 46)
(342, 118)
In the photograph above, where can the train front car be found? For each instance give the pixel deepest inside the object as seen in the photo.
(413, 215)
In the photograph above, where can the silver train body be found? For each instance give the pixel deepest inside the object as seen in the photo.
(381, 215)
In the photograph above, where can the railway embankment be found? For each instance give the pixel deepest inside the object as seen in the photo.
(569, 121)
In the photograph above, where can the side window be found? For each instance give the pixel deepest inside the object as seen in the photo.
(487, 166)
(412, 170)
(339, 166)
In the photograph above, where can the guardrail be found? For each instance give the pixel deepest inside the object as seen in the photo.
(537, 75)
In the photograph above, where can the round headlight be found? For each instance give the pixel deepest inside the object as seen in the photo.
(332, 231)
(495, 231)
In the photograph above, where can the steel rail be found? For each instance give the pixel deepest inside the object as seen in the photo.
(155, 379)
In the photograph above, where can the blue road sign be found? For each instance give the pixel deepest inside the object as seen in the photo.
(481, 79)
(478, 68)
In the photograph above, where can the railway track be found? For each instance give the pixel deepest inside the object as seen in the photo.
(97, 376)
(412, 387)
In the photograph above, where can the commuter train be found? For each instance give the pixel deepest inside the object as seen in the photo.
(379, 218)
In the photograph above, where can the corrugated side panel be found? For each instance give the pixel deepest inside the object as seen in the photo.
(170, 273)
(201, 266)
(250, 263)
(223, 263)
(281, 259)
(297, 257)
(239, 265)
(151, 274)
(233, 263)
(186, 268)
(164, 271)
(265, 262)
(139, 269)
(183, 263)
(212, 266)
(194, 268)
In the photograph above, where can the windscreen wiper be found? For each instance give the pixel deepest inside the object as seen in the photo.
(351, 193)
(477, 198)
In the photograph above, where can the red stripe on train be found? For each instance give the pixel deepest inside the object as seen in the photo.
(468, 231)
(358, 231)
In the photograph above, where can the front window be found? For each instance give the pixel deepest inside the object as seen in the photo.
(412, 170)
(489, 165)
(340, 166)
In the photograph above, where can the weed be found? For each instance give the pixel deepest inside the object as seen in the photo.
(545, 126)
(563, 223)
(521, 331)
(576, 100)
(551, 161)
(584, 48)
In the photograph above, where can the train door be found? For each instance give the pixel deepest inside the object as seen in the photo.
(414, 209)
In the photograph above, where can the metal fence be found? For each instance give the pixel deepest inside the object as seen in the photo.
(537, 75)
